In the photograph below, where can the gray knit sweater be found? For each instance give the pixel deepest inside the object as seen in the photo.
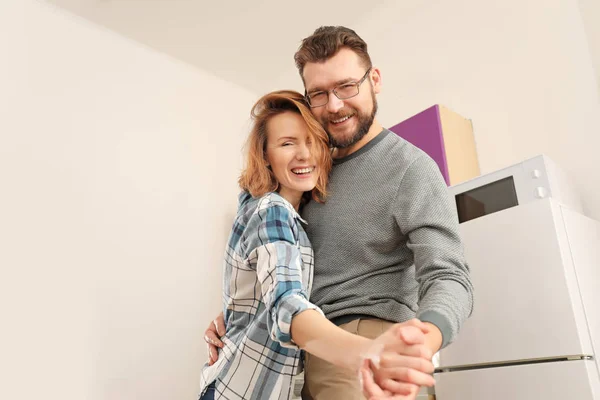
(386, 241)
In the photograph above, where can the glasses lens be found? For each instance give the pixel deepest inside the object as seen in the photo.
(318, 99)
(346, 91)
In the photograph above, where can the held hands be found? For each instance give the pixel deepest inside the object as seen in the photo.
(398, 363)
(395, 366)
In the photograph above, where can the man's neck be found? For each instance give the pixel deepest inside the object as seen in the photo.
(375, 129)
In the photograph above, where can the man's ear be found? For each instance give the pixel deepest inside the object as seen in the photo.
(375, 77)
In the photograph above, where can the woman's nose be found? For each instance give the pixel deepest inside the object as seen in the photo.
(303, 152)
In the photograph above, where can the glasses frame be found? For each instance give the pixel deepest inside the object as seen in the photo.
(357, 84)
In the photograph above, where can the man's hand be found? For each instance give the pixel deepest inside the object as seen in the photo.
(399, 363)
(212, 336)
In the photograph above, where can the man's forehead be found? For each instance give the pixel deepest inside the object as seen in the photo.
(324, 75)
(342, 66)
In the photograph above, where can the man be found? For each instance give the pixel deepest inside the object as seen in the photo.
(386, 241)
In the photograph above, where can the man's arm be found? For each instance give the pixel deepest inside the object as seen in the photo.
(425, 212)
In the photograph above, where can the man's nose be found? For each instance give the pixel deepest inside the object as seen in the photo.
(334, 104)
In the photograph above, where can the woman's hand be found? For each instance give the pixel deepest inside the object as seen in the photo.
(373, 391)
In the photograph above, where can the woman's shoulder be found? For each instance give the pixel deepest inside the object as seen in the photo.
(265, 219)
(274, 200)
(271, 205)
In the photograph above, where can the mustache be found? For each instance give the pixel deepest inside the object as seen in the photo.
(341, 114)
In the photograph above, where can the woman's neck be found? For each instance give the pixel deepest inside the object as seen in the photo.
(293, 196)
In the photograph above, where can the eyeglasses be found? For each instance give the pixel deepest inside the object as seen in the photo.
(342, 92)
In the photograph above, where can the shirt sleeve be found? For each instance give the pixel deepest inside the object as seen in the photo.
(426, 214)
(273, 249)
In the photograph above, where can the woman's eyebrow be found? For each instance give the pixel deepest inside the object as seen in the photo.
(286, 138)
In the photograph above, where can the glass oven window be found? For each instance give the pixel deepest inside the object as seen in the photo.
(487, 199)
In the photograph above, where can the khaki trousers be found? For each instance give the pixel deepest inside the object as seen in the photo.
(325, 381)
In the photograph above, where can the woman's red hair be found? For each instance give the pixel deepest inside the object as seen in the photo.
(257, 178)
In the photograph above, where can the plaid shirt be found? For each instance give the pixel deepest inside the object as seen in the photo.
(267, 281)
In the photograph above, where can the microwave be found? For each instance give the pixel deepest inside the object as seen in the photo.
(530, 180)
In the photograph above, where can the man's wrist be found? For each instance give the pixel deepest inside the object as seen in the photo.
(433, 339)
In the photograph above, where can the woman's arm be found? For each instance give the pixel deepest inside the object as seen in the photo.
(399, 357)
(317, 335)
(403, 345)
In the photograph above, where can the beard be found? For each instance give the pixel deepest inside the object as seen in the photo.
(365, 120)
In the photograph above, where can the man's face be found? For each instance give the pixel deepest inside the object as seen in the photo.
(346, 121)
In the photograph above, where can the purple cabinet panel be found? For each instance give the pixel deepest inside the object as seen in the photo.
(424, 130)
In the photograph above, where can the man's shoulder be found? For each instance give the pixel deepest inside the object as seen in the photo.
(399, 152)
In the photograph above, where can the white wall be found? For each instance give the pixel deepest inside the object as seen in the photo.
(590, 12)
(118, 169)
(520, 69)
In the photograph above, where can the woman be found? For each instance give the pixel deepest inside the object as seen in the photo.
(269, 268)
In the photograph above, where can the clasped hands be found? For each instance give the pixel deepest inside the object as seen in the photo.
(395, 366)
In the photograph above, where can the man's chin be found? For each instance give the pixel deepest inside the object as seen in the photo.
(343, 142)
(340, 135)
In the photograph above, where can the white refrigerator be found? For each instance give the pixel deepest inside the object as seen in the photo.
(535, 328)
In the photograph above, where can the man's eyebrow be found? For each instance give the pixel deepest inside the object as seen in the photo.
(335, 84)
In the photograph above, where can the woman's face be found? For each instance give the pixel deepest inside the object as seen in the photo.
(288, 153)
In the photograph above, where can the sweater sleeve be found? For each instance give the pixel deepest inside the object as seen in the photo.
(426, 214)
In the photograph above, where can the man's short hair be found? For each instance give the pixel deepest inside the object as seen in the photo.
(325, 42)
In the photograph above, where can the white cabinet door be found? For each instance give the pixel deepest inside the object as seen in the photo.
(525, 306)
(584, 246)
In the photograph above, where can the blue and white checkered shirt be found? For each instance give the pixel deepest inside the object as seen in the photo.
(267, 281)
